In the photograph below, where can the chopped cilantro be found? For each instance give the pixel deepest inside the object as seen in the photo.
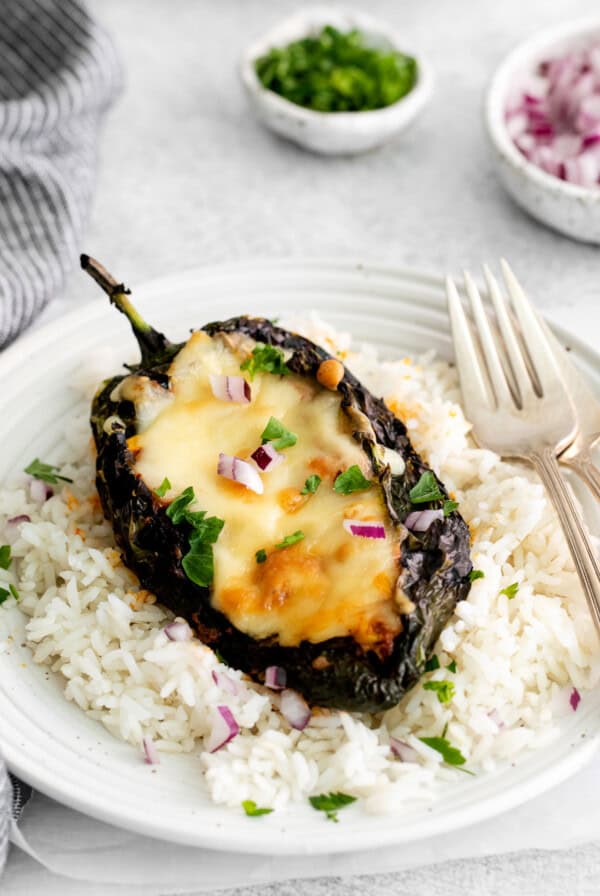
(511, 590)
(251, 809)
(290, 540)
(451, 755)
(4, 593)
(261, 556)
(163, 488)
(451, 667)
(426, 489)
(266, 359)
(45, 472)
(330, 803)
(351, 480)
(449, 506)
(443, 689)
(432, 663)
(276, 433)
(5, 556)
(198, 563)
(476, 574)
(14, 591)
(311, 485)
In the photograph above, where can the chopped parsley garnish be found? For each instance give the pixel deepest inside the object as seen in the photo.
(251, 809)
(163, 488)
(266, 359)
(311, 485)
(45, 472)
(451, 755)
(443, 689)
(276, 433)
(291, 539)
(351, 480)
(330, 803)
(261, 556)
(511, 590)
(476, 574)
(432, 663)
(5, 556)
(426, 489)
(14, 592)
(198, 563)
(451, 667)
(449, 506)
(4, 594)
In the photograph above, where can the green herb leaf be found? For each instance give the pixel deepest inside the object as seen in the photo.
(451, 667)
(177, 509)
(163, 488)
(351, 480)
(451, 755)
(443, 689)
(290, 539)
(261, 556)
(330, 803)
(426, 489)
(206, 530)
(5, 559)
(266, 359)
(251, 809)
(449, 506)
(198, 563)
(4, 594)
(432, 663)
(311, 485)
(276, 433)
(14, 592)
(511, 590)
(45, 472)
(476, 574)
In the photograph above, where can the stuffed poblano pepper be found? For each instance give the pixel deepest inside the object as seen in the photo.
(266, 496)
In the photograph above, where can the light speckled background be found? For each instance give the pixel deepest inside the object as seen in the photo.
(187, 177)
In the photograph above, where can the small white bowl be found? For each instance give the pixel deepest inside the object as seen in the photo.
(332, 133)
(570, 209)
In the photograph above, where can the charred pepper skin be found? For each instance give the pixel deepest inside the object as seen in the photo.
(336, 673)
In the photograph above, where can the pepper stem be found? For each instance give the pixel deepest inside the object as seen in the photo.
(152, 343)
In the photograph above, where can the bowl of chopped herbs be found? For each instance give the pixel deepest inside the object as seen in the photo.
(336, 82)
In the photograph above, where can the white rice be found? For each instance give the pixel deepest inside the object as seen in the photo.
(516, 660)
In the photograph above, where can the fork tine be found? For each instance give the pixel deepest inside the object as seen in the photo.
(535, 339)
(474, 387)
(488, 343)
(515, 354)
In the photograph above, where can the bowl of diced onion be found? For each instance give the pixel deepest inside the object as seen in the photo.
(542, 114)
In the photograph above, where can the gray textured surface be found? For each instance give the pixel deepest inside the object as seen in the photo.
(187, 177)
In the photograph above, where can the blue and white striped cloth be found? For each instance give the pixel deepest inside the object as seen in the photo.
(58, 74)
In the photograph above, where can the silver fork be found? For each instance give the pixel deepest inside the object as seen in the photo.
(518, 413)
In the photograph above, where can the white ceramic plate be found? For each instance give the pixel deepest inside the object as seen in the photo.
(54, 746)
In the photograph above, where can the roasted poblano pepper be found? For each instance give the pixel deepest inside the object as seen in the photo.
(278, 610)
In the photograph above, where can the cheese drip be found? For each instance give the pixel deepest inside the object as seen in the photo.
(328, 585)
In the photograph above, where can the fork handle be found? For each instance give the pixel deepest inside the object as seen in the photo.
(580, 545)
(585, 467)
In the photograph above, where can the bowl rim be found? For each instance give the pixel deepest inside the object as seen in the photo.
(494, 103)
(300, 24)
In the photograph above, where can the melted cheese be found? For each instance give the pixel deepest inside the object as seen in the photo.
(331, 583)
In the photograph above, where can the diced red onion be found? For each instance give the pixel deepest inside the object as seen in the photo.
(275, 678)
(421, 520)
(295, 709)
(225, 682)
(230, 388)
(494, 716)
(364, 528)
(11, 529)
(16, 520)
(575, 699)
(403, 750)
(241, 471)
(151, 756)
(224, 728)
(40, 491)
(266, 457)
(178, 631)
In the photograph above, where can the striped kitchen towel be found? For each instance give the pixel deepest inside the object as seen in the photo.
(58, 74)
